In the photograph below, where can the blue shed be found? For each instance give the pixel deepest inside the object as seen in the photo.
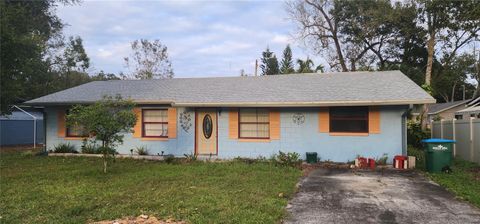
(17, 128)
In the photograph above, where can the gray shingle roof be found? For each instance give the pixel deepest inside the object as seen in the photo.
(327, 89)
(439, 107)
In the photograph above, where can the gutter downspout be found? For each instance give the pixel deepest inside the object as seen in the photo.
(404, 133)
(34, 125)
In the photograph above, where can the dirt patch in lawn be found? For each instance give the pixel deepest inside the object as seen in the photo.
(141, 219)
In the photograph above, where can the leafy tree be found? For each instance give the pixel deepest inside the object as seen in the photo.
(286, 65)
(71, 63)
(476, 76)
(452, 23)
(269, 64)
(305, 66)
(448, 82)
(320, 68)
(149, 60)
(102, 76)
(107, 121)
(319, 22)
(28, 30)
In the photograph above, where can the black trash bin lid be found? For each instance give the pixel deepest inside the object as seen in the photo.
(438, 140)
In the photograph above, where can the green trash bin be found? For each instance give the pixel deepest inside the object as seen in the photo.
(312, 157)
(438, 154)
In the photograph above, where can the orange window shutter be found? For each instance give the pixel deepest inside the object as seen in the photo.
(274, 125)
(374, 120)
(137, 129)
(233, 123)
(172, 122)
(324, 120)
(61, 125)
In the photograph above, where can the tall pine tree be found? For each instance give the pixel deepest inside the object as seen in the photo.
(269, 64)
(287, 61)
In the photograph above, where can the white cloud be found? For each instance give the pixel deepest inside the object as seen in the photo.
(281, 39)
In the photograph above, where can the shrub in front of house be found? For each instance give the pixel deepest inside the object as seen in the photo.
(142, 150)
(291, 159)
(65, 148)
(190, 157)
(90, 147)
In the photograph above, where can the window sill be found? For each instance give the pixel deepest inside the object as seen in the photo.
(348, 134)
(253, 140)
(74, 138)
(154, 139)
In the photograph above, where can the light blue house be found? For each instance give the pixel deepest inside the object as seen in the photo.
(337, 115)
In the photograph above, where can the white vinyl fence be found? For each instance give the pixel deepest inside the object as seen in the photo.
(466, 133)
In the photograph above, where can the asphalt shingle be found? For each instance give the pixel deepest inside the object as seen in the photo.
(359, 88)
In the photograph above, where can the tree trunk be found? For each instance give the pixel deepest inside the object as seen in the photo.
(104, 164)
(341, 59)
(104, 157)
(428, 74)
(453, 92)
(431, 50)
(424, 117)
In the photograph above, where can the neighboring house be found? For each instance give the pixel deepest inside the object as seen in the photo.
(472, 110)
(337, 115)
(439, 111)
(17, 128)
(445, 111)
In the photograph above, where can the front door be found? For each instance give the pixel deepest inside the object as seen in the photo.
(206, 132)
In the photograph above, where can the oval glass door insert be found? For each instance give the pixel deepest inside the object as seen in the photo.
(207, 126)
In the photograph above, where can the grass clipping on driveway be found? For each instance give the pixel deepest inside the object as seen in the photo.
(463, 181)
(74, 190)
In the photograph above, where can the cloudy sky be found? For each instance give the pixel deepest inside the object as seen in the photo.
(204, 38)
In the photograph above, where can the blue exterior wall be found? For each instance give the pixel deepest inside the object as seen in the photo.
(301, 138)
(183, 144)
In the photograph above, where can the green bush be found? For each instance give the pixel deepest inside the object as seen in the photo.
(65, 148)
(90, 147)
(415, 134)
(142, 150)
(291, 159)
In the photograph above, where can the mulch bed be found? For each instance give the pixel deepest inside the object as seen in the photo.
(309, 167)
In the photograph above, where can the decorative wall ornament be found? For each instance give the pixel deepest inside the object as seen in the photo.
(185, 121)
(298, 118)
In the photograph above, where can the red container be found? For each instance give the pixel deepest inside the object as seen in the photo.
(400, 162)
(371, 163)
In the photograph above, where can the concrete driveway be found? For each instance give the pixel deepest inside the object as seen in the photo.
(344, 196)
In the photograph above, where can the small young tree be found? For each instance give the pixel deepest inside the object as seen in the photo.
(107, 121)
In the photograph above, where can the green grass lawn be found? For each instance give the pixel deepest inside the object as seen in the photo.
(39, 189)
(464, 181)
